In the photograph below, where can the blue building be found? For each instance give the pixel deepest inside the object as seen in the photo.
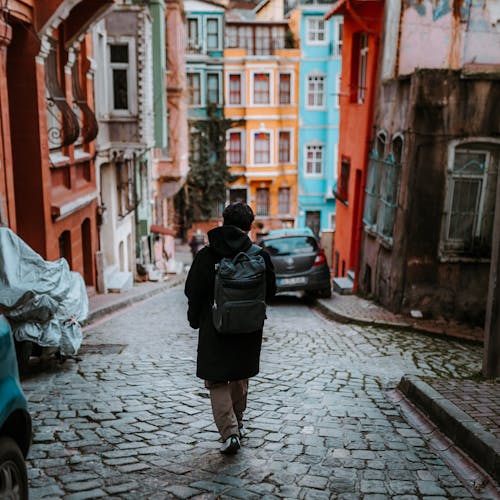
(204, 56)
(320, 68)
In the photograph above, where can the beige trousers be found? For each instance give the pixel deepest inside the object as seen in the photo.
(229, 401)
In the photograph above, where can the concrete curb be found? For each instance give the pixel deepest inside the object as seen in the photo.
(399, 325)
(482, 446)
(127, 301)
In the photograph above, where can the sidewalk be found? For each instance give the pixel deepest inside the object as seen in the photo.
(467, 411)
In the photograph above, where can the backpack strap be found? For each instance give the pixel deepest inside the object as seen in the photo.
(254, 250)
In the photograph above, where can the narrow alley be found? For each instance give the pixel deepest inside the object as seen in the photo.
(131, 420)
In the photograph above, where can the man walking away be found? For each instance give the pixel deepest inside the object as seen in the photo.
(225, 360)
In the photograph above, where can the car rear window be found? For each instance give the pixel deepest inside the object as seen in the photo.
(291, 245)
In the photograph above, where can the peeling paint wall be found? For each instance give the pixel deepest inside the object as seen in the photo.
(448, 34)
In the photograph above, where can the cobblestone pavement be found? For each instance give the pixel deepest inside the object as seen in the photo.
(131, 421)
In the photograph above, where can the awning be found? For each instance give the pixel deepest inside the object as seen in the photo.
(162, 230)
(344, 7)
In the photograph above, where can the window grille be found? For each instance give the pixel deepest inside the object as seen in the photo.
(284, 201)
(315, 91)
(63, 128)
(315, 30)
(314, 159)
(262, 202)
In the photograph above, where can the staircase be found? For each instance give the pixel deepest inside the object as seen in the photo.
(344, 286)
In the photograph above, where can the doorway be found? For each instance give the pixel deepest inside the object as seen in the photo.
(313, 219)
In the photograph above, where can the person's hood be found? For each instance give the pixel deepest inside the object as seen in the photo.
(228, 240)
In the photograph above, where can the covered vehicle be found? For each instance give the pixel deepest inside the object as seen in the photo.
(15, 421)
(44, 301)
(299, 262)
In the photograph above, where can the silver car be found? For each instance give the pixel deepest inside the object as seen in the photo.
(299, 262)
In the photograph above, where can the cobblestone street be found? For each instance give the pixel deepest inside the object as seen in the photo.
(131, 420)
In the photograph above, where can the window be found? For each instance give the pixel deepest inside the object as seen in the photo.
(261, 86)
(238, 195)
(284, 201)
(194, 90)
(213, 88)
(235, 90)
(315, 91)
(337, 90)
(375, 165)
(339, 29)
(262, 148)
(235, 153)
(119, 63)
(362, 68)
(193, 40)
(316, 30)
(284, 146)
(262, 202)
(212, 34)
(343, 186)
(195, 145)
(314, 159)
(285, 88)
(470, 201)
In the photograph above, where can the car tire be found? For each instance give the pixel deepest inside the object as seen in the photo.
(13, 475)
(325, 293)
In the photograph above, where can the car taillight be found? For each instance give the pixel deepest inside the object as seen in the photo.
(320, 258)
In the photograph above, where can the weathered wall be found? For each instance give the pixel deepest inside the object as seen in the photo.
(432, 109)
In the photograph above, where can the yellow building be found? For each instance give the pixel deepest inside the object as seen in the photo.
(261, 80)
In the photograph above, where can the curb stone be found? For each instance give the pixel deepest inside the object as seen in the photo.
(482, 446)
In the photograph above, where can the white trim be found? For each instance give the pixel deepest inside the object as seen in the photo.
(252, 147)
(337, 54)
(314, 144)
(308, 41)
(315, 74)
(220, 46)
(271, 87)
(336, 102)
(265, 117)
(242, 89)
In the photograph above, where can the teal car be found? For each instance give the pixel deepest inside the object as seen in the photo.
(15, 421)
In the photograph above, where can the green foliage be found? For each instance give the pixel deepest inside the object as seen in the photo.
(209, 175)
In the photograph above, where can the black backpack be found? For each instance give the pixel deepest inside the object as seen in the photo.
(240, 292)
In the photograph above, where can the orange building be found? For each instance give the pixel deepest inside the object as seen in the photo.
(48, 189)
(261, 78)
(360, 52)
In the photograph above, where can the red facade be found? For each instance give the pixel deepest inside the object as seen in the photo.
(360, 52)
(48, 188)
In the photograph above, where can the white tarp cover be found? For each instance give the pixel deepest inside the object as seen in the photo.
(44, 301)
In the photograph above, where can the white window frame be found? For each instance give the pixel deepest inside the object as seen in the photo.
(310, 30)
(219, 33)
(338, 41)
(363, 67)
(271, 88)
(131, 76)
(242, 148)
(292, 96)
(315, 107)
(202, 90)
(338, 83)
(242, 88)
(219, 88)
(271, 147)
(314, 144)
(291, 131)
(199, 44)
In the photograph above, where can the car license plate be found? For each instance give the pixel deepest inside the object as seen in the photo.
(301, 280)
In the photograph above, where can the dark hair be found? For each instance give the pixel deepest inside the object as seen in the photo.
(238, 214)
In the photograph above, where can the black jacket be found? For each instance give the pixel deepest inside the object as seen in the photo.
(222, 357)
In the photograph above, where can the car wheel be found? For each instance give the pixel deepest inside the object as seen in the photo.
(13, 476)
(325, 293)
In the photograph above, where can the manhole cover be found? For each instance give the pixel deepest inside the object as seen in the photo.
(102, 348)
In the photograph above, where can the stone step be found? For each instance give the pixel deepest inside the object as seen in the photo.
(343, 286)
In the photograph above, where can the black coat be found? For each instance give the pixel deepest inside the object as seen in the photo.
(222, 357)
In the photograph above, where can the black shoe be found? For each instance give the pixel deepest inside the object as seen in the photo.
(231, 445)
